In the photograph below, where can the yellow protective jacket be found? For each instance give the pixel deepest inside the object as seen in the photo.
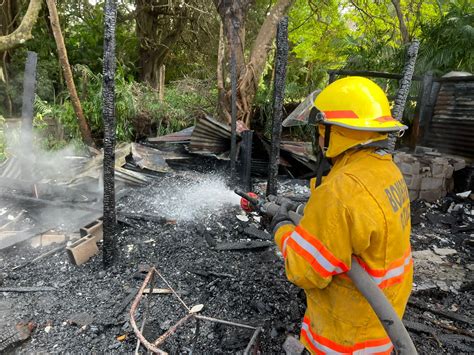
(362, 208)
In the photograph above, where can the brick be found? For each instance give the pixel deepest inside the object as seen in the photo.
(432, 183)
(82, 250)
(413, 181)
(432, 195)
(94, 228)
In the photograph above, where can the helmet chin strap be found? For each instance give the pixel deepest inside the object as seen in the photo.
(323, 162)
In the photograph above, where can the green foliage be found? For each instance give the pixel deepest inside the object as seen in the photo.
(136, 104)
(447, 41)
(316, 31)
(184, 100)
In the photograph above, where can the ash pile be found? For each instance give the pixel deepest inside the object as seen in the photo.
(214, 255)
(182, 225)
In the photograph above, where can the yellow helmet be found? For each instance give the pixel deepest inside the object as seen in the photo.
(353, 102)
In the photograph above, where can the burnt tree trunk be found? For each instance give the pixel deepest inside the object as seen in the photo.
(63, 59)
(401, 21)
(8, 22)
(232, 14)
(108, 115)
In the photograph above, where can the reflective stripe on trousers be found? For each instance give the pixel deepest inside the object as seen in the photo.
(321, 345)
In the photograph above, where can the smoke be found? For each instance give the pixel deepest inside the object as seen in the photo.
(37, 163)
(37, 173)
(193, 198)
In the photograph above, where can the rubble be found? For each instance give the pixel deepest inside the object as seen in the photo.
(247, 285)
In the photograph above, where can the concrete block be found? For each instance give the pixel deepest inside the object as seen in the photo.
(432, 195)
(457, 163)
(439, 167)
(449, 172)
(82, 250)
(413, 181)
(425, 171)
(432, 183)
(49, 238)
(422, 150)
(413, 194)
(412, 168)
(94, 228)
(449, 184)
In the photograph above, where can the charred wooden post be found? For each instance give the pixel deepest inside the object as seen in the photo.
(281, 60)
(233, 124)
(29, 87)
(108, 116)
(404, 88)
(422, 108)
(332, 76)
(246, 160)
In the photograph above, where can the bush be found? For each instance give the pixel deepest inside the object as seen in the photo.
(138, 109)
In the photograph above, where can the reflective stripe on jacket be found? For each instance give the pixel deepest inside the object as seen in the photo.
(361, 208)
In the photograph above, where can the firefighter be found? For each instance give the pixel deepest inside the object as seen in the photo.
(362, 209)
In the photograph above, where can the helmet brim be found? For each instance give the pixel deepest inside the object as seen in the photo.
(393, 126)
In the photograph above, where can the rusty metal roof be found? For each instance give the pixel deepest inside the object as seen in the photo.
(210, 136)
(183, 136)
(451, 129)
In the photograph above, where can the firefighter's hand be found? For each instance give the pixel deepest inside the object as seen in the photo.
(280, 200)
(281, 217)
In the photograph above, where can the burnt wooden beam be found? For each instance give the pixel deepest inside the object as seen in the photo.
(108, 116)
(246, 160)
(371, 74)
(281, 60)
(403, 89)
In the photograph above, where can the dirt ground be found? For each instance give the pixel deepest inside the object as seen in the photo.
(88, 310)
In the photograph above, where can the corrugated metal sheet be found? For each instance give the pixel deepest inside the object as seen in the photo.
(210, 137)
(451, 129)
(183, 136)
(10, 168)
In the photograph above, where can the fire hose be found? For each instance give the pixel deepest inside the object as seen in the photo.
(362, 280)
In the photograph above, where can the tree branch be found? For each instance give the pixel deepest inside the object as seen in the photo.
(23, 32)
